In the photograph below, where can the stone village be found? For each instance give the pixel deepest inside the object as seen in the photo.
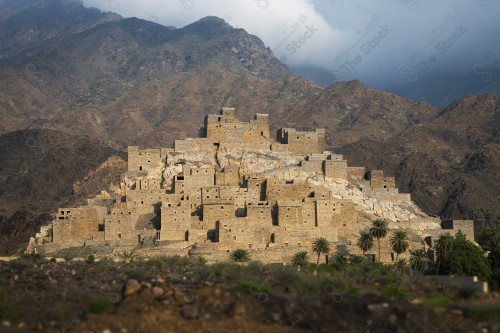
(237, 187)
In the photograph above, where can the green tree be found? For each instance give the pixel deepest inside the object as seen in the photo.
(379, 230)
(399, 242)
(401, 266)
(365, 241)
(355, 259)
(240, 255)
(419, 261)
(320, 246)
(466, 259)
(339, 261)
(489, 240)
(300, 258)
(442, 247)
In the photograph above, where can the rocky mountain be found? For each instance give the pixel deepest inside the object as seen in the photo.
(27, 23)
(67, 72)
(42, 169)
(350, 111)
(16, 230)
(45, 169)
(482, 77)
(450, 163)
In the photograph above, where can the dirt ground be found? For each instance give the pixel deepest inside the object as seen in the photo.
(42, 296)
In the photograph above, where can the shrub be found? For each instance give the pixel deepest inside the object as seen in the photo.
(30, 256)
(393, 291)
(137, 274)
(240, 255)
(355, 259)
(19, 264)
(300, 258)
(436, 300)
(483, 312)
(7, 310)
(466, 259)
(253, 287)
(290, 279)
(401, 266)
(324, 268)
(90, 259)
(202, 261)
(226, 271)
(339, 262)
(490, 241)
(99, 305)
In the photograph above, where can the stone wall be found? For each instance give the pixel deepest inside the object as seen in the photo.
(356, 172)
(290, 214)
(80, 224)
(225, 127)
(259, 214)
(377, 180)
(229, 176)
(298, 142)
(335, 169)
(148, 160)
(144, 201)
(176, 222)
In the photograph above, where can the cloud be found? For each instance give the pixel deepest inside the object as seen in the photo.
(293, 29)
(374, 41)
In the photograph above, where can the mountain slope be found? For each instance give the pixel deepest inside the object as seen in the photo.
(115, 59)
(26, 23)
(40, 167)
(350, 111)
(449, 164)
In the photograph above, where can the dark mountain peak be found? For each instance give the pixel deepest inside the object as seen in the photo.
(212, 21)
(487, 103)
(144, 31)
(354, 84)
(208, 27)
(28, 23)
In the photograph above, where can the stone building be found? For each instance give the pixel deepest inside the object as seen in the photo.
(237, 187)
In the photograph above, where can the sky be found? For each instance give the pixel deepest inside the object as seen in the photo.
(373, 41)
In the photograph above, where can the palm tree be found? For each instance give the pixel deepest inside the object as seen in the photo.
(442, 246)
(419, 261)
(365, 241)
(300, 258)
(399, 242)
(320, 245)
(379, 230)
(240, 255)
(339, 262)
(355, 259)
(401, 265)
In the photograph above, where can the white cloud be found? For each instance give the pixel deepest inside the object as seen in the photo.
(278, 23)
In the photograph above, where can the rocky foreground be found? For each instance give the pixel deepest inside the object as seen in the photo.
(180, 295)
